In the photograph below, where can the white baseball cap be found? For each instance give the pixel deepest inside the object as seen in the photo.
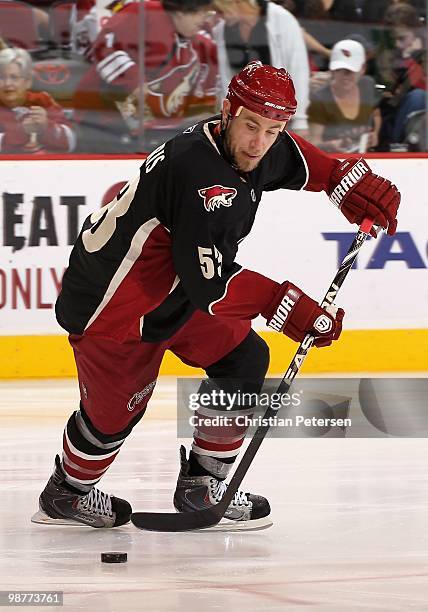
(348, 55)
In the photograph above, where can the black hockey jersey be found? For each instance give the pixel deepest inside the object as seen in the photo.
(167, 243)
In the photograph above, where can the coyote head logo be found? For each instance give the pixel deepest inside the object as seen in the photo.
(216, 196)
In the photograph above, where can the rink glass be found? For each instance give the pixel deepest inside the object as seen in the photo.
(111, 119)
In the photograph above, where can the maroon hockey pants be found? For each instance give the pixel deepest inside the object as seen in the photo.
(116, 381)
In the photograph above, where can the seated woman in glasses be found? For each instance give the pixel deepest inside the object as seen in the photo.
(30, 122)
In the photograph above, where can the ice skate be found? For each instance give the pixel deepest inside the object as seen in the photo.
(245, 512)
(61, 504)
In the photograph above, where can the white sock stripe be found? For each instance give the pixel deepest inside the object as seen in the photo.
(218, 454)
(230, 414)
(83, 429)
(82, 455)
(66, 461)
(77, 482)
(216, 439)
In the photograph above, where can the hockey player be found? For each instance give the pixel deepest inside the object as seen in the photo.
(180, 73)
(155, 269)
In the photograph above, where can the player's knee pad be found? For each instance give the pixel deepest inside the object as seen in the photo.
(89, 430)
(80, 444)
(248, 362)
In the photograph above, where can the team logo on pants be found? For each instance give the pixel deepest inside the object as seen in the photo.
(138, 397)
(216, 196)
(323, 324)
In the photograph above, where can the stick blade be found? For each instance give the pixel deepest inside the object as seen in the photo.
(177, 521)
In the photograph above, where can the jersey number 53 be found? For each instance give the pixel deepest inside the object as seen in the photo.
(211, 260)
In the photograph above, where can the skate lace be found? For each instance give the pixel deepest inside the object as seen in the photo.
(97, 502)
(218, 489)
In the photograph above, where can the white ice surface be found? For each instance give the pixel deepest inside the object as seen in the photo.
(350, 522)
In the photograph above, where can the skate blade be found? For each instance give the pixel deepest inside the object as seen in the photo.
(42, 518)
(231, 526)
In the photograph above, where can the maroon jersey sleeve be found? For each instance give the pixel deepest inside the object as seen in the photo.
(246, 295)
(178, 73)
(319, 165)
(115, 50)
(205, 89)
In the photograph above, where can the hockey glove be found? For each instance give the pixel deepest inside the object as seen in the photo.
(295, 314)
(359, 193)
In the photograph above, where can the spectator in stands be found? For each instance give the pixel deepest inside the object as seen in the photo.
(402, 70)
(262, 30)
(313, 45)
(180, 75)
(342, 114)
(29, 122)
(315, 17)
(366, 11)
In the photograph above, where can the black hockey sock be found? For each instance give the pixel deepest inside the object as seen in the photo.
(196, 469)
(85, 458)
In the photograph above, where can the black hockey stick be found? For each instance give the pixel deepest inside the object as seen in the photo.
(199, 519)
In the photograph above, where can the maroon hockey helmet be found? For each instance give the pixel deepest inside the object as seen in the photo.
(263, 89)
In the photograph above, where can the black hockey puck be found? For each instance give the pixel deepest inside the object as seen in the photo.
(114, 557)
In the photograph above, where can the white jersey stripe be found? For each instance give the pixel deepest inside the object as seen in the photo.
(114, 65)
(120, 71)
(207, 133)
(116, 58)
(303, 160)
(130, 258)
(173, 286)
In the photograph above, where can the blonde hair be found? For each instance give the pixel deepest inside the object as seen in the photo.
(21, 57)
(224, 4)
